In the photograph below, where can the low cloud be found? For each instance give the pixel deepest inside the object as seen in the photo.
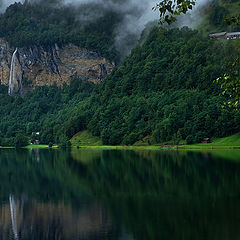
(135, 15)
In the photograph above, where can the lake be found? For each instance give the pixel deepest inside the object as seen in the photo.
(124, 195)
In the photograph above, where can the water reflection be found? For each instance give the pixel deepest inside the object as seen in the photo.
(162, 195)
(123, 195)
(23, 219)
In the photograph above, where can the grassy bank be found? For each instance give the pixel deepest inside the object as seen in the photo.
(105, 147)
(85, 139)
(39, 146)
(6, 147)
(231, 142)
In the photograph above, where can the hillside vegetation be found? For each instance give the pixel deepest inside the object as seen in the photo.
(230, 142)
(163, 89)
(85, 138)
(214, 16)
(45, 24)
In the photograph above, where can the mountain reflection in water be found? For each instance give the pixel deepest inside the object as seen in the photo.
(34, 220)
(124, 195)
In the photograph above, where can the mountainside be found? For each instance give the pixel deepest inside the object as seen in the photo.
(46, 23)
(165, 90)
(39, 66)
(214, 16)
(162, 92)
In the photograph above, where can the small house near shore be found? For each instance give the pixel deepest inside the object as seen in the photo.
(206, 140)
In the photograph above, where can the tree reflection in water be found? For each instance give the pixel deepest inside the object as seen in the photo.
(118, 195)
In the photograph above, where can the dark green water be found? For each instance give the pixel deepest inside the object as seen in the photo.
(125, 195)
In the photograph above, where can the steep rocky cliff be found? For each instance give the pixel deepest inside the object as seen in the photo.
(38, 66)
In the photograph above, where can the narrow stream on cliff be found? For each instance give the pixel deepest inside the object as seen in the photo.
(12, 73)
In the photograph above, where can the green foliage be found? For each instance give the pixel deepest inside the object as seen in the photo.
(217, 16)
(85, 138)
(49, 110)
(163, 89)
(230, 84)
(42, 24)
(233, 20)
(64, 142)
(170, 9)
(20, 141)
(190, 139)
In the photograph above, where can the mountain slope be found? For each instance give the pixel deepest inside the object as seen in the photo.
(43, 24)
(214, 16)
(163, 89)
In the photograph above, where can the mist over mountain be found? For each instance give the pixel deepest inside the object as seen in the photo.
(133, 16)
(4, 4)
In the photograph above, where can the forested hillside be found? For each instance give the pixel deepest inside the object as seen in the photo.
(214, 16)
(164, 89)
(44, 24)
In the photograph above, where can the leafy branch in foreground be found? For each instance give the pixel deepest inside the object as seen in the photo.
(230, 84)
(169, 9)
(232, 20)
(230, 81)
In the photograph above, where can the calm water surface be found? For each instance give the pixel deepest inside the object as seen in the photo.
(122, 195)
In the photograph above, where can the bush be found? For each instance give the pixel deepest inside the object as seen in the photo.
(190, 139)
(20, 141)
(200, 136)
(64, 142)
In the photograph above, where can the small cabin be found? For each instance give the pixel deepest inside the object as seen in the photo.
(206, 140)
(224, 35)
(218, 36)
(36, 142)
(233, 35)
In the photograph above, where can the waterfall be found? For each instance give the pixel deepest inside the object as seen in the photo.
(12, 74)
(13, 211)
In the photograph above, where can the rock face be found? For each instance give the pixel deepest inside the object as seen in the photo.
(40, 66)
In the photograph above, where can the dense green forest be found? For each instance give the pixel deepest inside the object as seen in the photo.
(46, 24)
(163, 89)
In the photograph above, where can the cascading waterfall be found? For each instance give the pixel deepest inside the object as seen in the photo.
(13, 211)
(12, 73)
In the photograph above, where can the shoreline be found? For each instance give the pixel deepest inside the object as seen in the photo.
(163, 147)
(193, 147)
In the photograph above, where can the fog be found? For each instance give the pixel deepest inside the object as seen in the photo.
(135, 15)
